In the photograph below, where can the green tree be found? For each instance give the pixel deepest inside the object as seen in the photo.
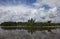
(31, 22)
(49, 22)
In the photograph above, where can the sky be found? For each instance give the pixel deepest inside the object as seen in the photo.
(23, 10)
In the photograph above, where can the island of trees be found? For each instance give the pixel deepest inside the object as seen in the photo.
(30, 25)
(30, 22)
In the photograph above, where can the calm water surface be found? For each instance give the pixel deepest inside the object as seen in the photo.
(24, 34)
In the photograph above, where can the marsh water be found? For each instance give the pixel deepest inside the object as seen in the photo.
(24, 34)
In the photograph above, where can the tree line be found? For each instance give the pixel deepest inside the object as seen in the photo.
(30, 22)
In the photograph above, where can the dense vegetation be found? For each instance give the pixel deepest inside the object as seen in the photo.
(29, 23)
(33, 25)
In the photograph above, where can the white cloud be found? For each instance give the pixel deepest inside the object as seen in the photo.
(23, 13)
(51, 3)
(15, 13)
(52, 13)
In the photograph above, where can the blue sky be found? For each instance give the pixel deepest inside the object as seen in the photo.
(19, 2)
(22, 10)
(16, 2)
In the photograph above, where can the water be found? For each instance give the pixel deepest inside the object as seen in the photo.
(24, 34)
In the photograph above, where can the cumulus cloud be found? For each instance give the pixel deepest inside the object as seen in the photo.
(15, 13)
(52, 13)
(42, 15)
(24, 12)
(51, 3)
